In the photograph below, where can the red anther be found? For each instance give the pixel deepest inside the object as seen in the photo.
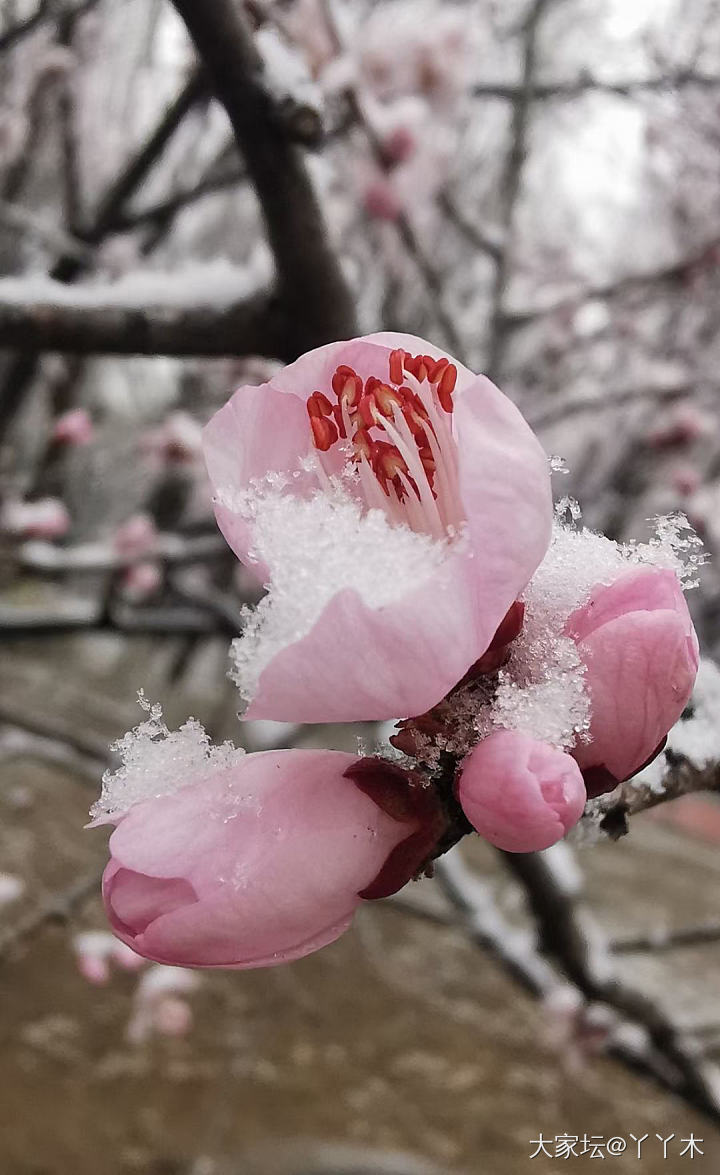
(411, 363)
(347, 384)
(397, 359)
(387, 399)
(340, 423)
(324, 432)
(446, 387)
(436, 368)
(318, 405)
(371, 383)
(368, 409)
(362, 443)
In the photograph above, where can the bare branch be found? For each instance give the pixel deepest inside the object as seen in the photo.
(312, 284)
(609, 814)
(94, 322)
(46, 10)
(546, 91)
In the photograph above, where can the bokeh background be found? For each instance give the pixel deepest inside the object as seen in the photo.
(531, 185)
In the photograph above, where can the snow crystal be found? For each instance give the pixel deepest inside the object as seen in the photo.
(314, 548)
(156, 761)
(698, 736)
(541, 689)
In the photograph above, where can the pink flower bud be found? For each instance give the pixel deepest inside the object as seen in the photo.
(520, 794)
(640, 652)
(135, 536)
(73, 428)
(380, 199)
(141, 581)
(265, 860)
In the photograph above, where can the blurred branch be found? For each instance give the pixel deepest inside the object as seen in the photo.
(69, 266)
(405, 229)
(609, 814)
(543, 91)
(510, 184)
(47, 10)
(662, 940)
(621, 397)
(311, 282)
(17, 218)
(676, 271)
(171, 550)
(58, 907)
(95, 323)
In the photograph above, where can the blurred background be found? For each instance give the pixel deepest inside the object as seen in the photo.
(190, 195)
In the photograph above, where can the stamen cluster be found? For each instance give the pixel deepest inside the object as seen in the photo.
(399, 436)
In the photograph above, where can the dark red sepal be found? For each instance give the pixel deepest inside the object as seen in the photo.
(403, 795)
(498, 650)
(598, 781)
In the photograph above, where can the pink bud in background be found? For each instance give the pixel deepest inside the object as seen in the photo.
(135, 536)
(141, 581)
(97, 950)
(380, 200)
(520, 794)
(159, 1004)
(265, 860)
(399, 145)
(46, 518)
(681, 425)
(640, 652)
(73, 428)
(178, 440)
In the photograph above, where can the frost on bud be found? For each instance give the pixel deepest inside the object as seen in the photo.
(520, 794)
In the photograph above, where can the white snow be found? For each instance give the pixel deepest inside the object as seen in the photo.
(157, 761)
(315, 548)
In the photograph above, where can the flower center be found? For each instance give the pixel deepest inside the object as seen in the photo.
(398, 436)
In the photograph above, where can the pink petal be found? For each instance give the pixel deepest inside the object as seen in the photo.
(506, 493)
(360, 663)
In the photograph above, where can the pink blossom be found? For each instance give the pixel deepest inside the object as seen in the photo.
(73, 428)
(178, 440)
(135, 536)
(159, 1004)
(637, 642)
(380, 199)
(97, 950)
(141, 581)
(265, 860)
(45, 518)
(403, 588)
(680, 425)
(520, 794)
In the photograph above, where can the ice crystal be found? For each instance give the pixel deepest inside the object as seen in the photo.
(541, 689)
(155, 761)
(315, 547)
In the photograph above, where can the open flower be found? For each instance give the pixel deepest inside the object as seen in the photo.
(258, 859)
(520, 794)
(396, 504)
(637, 642)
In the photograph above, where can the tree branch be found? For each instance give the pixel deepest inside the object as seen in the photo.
(94, 322)
(311, 282)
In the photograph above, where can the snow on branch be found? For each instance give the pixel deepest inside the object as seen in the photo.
(204, 310)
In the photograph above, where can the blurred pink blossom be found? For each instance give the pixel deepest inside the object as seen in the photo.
(520, 794)
(97, 950)
(159, 1004)
(141, 581)
(177, 440)
(135, 536)
(680, 425)
(637, 642)
(73, 428)
(416, 535)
